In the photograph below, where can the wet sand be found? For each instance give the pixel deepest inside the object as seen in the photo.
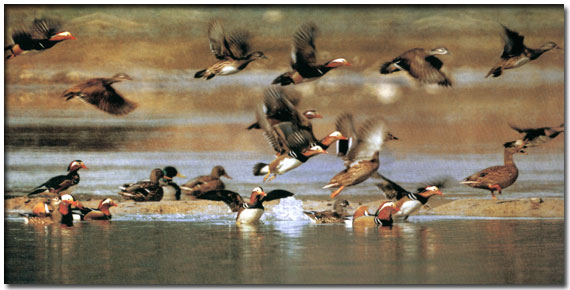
(527, 207)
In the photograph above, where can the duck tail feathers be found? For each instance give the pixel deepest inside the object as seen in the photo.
(283, 79)
(200, 74)
(258, 169)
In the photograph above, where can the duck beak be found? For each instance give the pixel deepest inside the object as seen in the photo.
(77, 204)
(317, 115)
(347, 64)
(227, 176)
(84, 167)
(113, 204)
(179, 175)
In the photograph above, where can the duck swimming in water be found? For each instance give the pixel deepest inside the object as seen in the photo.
(100, 93)
(44, 35)
(383, 216)
(100, 213)
(516, 54)
(62, 184)
(304, 67)
(337, 215)
(248, 212)
(232, 49)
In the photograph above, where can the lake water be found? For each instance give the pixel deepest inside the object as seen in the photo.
(213, 250)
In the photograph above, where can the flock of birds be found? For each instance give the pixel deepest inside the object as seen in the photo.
(288, 130)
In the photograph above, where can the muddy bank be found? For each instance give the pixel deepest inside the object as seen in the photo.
(537, 208)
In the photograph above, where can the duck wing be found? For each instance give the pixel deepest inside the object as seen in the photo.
(304, 54)
(491, 175)
(276, 194)
(269, 132)
(345, 125)
(104, 97)
(276, 103)
(372, 134)
(238, 43)
(46, 28)
(391, 189)
(232, 199)
(426, 69)
(513, 43)
(218, 44)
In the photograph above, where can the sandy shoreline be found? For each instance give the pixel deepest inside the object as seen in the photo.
(532, 208)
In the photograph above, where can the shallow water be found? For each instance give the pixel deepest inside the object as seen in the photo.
(183, 250)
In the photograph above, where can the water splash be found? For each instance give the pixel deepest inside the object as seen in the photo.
(289, 209)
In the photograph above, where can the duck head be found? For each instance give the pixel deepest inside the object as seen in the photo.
(313, 151)
(333, 136)
(219, 171)
(386, 210)
(156, 174)
(517, 146)
(340, 206)
(76, 165)
(62, 36)
(171, 172)
(121, 77)
(439, 50)
(429, 191)
(257, 55)
(337, 62)
(389, 137)
(256, 193)
(66, 201)
(106, 203)
(549, 45)
(312, 114)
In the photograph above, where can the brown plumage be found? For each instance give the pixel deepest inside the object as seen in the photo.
(362, 160)
(516, 54)
(383, 216)
(304, 65)
(62, 214)
(337, 215)
(146, 190)
(498, 177)
(205, 183)
(100, 93)
(420, 64)
(232, 49)
(102, 211)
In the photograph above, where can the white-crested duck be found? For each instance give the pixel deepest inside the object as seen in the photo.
(408, 202)
(44, 34)
(420, 64)
(102, 211)
(248, 212)
(497, 178)
(337, 215)
(516, 54)
(63, 213)
(538, 136)
(304, 67)
(205, 183)
(100, 93)
(62, 184)
(362, 159)
(383, 216)
(232, 49)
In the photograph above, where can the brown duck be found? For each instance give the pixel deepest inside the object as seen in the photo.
(102, 211)
(337, 215)
(538, 136)
(383, 216)
(205, 183)
(146, 190)
(304, 67)
(100, 93)
(516, 54)
(420, 64)
(232, 49)
(362, 159)
(497, 178)
(44, 34)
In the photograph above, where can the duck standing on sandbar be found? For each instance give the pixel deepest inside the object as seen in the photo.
(100, 93)
(145, 190)
(45, 34)
(171, 190)
(232, 49)
(304, 67)
(62, 184)
(205, 183)
(497, 178)
(516, 54)
(248, 212)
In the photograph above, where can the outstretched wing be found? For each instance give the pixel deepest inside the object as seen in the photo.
(345, 125)
(276, 194)
(46, 27)
(238, 43)
(304, 52)
(270, 134)
(372, 134)
(513, 43)
(108, 100)
(426, 69)
(230, 198)
(391, 189)
(218, 44)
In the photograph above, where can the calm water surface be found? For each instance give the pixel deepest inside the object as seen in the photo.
(424, 250)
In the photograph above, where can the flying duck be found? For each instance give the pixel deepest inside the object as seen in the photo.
(421, 64)
(145, 190)
(232, 49)
(304, 67)
(248, 212)
(362, 159)
(383, 216)
(337, 215)
(501, 176)
(100, 213)
(516, 54)
(279, 106)
(100, 93)
(408, 202)
(205, 183)
(62, 184)
(538, 136)
(171, 190)
(44, 34)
